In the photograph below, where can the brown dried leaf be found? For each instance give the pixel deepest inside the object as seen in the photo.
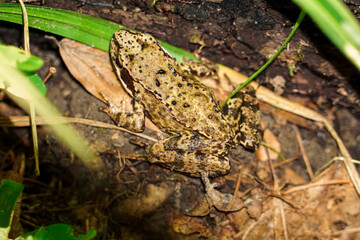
(272, 141)
(291, 177)
(92, 68)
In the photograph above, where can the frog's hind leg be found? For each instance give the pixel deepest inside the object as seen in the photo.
(243, 115)
(133, 121)
(188, 154)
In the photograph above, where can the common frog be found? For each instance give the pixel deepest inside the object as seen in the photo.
(171, 96)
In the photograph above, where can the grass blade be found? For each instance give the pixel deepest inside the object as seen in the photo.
(89, 30)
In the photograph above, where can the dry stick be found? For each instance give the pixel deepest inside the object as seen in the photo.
(52, 71)
(236, 190)
(275, 200)
(276, 165)
(304, 155)
(348, 230)
(275, 100)
(310, 185)
(23, 121)
(26, 28)
(284, 199)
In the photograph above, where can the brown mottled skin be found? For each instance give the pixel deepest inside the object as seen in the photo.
(171, 96)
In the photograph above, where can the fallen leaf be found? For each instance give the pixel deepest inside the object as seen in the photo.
(272, 141)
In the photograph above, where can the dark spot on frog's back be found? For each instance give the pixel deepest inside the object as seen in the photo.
(173, 102)
(143, 46)
(157, 82)
(131, 57)
(186, 105)
(161, 71)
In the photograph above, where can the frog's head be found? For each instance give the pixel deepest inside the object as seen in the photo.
(125, 45)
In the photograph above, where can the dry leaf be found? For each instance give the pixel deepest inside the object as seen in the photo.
(92, 68)
(272, 141)
(291, 177)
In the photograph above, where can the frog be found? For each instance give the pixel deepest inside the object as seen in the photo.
(172, 97)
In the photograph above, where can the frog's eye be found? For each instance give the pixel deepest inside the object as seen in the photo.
(117, 61)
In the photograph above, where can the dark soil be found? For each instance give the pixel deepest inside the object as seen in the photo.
(238, 34)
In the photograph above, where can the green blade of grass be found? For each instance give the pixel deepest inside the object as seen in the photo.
(338, 23)
(89, 30)
(92, 31)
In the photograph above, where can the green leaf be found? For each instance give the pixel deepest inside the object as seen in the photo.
(10, 192)
(89, 30)
(38, 83)
(92, 31)
(56, 232)
(30, 64)
(18, 58)
(15, 58)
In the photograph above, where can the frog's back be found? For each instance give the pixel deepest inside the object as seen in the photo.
(174, 100)
(189, 107)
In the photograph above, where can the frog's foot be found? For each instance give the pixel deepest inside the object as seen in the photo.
(133, 121)
(221, 201)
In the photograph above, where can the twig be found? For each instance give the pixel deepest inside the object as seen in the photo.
(349, 230)
(310, 185)
(23, 121)
(276, 201)
(276, 165)
(328, 164)
(303, 152)
(26, 28)
(52, 71)
(236, 189)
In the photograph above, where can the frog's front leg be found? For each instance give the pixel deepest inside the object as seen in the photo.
(133, 121)
(186, 153)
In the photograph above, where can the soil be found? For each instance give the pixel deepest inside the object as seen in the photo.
(131, 199)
